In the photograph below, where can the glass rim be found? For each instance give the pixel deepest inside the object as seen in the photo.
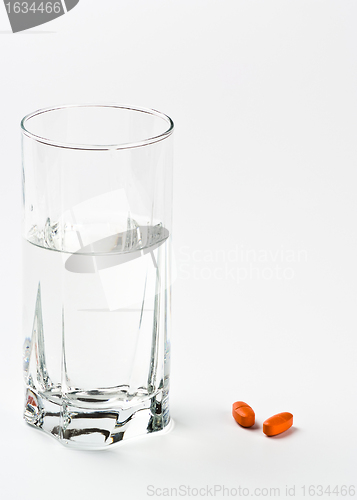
(97, 147)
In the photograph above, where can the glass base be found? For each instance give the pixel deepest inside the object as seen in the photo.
(96, 428)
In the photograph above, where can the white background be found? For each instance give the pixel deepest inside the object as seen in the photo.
(263, 95)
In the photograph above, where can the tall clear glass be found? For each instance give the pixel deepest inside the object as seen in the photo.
(97, 200)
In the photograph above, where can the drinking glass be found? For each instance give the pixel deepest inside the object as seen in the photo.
(97, 203)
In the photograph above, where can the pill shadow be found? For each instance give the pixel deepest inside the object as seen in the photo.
(27, 32)
(256, 427)
(285, 434)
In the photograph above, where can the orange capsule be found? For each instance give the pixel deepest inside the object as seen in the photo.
(243, 414)
(277, 424)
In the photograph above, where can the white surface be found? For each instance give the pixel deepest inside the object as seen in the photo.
(263, 95)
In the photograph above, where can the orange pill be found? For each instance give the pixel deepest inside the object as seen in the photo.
(243, 414)
(277, 424)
